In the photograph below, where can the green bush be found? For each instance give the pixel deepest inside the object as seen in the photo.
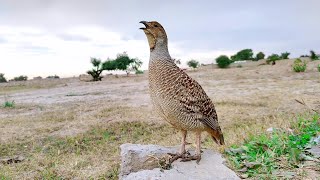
(299, 66)
(193, 63)
(8, 104)
(245, 54)
(2, 78)
(319, 67)
(285, 55)
(53, 77)
(20, 78)
(259, 56)
(273, 58)
(313, 55)
(223, 61)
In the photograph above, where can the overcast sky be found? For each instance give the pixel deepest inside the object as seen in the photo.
(47, 37)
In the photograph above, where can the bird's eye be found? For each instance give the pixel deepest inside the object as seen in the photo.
(155, 25)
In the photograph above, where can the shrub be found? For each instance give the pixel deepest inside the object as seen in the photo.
(319, 67)
(53, 77)
(285, 55)
(2, 78)
(20, 78)
(193, 63)
(259, 56)
(223, 61)
(245, 54)
(299, 66)
(313, 55)
(273, 58)
(8, 104)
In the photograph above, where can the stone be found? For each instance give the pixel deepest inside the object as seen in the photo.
(142, 162)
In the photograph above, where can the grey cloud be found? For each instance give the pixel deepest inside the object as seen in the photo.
(269, 25)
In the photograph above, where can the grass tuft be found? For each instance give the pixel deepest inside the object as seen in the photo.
(264, 154)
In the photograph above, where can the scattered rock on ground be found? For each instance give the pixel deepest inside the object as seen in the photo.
(143, 162)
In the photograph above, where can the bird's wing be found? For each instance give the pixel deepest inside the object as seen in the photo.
(193, 99)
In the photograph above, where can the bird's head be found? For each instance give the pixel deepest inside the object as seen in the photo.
(217, 136)
(155, 33)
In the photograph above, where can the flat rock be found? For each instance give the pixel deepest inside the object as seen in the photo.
(141, 162)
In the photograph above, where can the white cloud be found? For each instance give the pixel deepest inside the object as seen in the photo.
(34, 51)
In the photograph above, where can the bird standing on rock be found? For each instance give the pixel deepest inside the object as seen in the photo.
(176, 97)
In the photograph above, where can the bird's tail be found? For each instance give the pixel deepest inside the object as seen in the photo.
(217, 136)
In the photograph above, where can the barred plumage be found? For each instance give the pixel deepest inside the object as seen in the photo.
(176, 97)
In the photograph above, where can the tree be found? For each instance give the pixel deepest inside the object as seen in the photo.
(285, 55)
(20, 78)
(245, 54)
(2, 78)
(96, 70)
(193, 63)
(273, 58)
(259, 56)
(109, 65)
(125, 63)
(313, 55)
(223, 61)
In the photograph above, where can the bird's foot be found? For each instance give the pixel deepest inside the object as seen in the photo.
(189, 157)
(176, 156)
(186, 156)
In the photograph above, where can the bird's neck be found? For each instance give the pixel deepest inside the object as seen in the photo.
(160, 52)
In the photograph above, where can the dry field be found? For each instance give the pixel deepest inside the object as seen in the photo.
(66, 128)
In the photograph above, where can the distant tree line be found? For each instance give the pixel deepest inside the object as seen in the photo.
(224, 61)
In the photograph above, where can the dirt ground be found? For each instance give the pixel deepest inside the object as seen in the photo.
(248, 100)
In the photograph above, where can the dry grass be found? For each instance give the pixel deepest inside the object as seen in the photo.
(66, 128)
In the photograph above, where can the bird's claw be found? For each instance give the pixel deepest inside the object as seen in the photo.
(190, 158)
(186, 156)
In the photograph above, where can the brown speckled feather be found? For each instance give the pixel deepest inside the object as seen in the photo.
(176, 97)
(180, 98)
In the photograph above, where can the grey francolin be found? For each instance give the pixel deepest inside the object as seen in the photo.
(176, 97)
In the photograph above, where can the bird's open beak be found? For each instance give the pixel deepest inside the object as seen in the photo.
(145, 23)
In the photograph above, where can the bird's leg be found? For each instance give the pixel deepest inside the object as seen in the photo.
(197, 156)
(183, 142)
(182, 152)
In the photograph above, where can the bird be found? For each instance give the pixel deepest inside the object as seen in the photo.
(176, 97)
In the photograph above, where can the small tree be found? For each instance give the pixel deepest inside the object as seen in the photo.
(193, 63)
(20, 78)
(313, 55)
(96, 70)
(285, 55)
(259, 56)
(223, 61)
(125, 63)
(245, 54)
(2, 78)
(109, 65)
(273, 58)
